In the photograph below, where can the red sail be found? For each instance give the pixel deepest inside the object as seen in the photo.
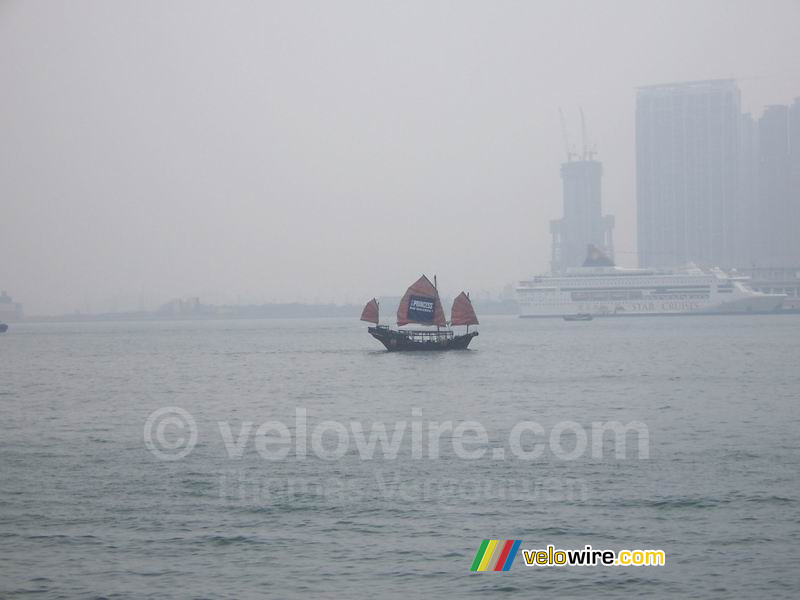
(463, 313)
(370, 312)
(421, 304)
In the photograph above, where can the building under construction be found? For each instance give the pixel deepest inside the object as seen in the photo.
(583, 222)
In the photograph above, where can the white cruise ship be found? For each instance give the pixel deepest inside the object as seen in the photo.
(600, 288)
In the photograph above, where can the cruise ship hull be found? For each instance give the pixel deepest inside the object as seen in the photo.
(615, 292)
(661, 309)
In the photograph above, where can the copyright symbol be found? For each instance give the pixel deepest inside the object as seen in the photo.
(174, 418)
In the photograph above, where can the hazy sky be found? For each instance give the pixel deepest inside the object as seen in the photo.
(330, 151)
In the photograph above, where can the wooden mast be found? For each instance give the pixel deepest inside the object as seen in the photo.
(436, 287)
(470, 301)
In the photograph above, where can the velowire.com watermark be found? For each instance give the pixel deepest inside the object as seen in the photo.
(182, 435)
(499, 555)
(239, 487)
(170, 433)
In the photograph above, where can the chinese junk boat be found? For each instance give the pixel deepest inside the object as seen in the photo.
(421, 306)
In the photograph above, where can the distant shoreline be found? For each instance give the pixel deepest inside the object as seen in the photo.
(295, 310)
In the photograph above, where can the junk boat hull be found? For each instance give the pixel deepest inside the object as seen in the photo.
(409, 341)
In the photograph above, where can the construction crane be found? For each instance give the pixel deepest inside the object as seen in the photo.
(567, 147)
(588, 153)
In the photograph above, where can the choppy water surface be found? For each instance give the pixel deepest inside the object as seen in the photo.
(86, 510)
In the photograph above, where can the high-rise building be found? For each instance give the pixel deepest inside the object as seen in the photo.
(794, 177)
(746, 246)
(687, 173)
(583, 222)
(773, 230)
(776, 222)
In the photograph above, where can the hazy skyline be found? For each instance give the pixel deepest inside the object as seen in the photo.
(330, 151)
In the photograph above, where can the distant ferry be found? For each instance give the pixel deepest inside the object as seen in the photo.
(600, 288)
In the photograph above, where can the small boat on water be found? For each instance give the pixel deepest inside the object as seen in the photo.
(421, 305)
(578, 317)
(3, 327)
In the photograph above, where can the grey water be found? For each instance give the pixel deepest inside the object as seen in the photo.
(87, 510)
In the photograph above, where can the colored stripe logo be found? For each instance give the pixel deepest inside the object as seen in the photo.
(495, 555)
